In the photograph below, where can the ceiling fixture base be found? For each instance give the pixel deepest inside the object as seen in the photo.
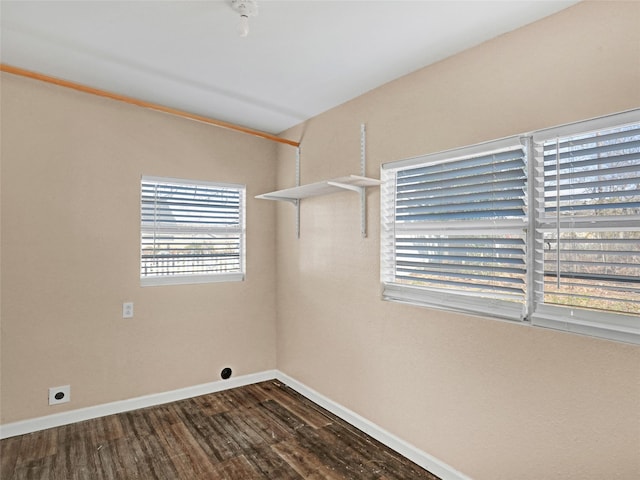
(246, 9)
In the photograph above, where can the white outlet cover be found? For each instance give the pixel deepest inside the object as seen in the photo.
(127, 310)
(59, 395)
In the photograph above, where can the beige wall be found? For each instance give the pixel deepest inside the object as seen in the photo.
(71, 168)
(495, 400)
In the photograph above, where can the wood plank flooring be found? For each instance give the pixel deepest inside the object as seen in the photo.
(257, 432)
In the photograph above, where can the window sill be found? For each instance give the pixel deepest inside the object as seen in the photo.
(617, 327)
(190, 279)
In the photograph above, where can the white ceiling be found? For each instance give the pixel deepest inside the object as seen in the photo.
(301, 57)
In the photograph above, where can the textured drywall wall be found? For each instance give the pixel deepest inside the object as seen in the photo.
(71, 169)
(493, 399)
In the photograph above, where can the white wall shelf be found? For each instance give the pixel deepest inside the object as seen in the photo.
(354, 183)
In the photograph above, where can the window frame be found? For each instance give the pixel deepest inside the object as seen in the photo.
(239, 229)
(598, 323)
(431, 296)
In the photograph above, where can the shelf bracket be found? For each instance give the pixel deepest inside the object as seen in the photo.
(354, 188)
(297, 202)
(363, 191)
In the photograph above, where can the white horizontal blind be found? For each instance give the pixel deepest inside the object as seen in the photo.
(589, 220)
(455, 231)
(191, 231)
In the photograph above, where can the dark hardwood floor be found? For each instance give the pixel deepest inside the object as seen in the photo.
(262, 431)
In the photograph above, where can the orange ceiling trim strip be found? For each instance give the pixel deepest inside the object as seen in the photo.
(142, 103)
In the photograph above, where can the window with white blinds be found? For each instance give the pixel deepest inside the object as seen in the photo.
(543, 228)
(588, 238)
(455, 229)
(191, 231)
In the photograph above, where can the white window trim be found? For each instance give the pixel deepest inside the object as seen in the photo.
(151, 281)
(619, 327)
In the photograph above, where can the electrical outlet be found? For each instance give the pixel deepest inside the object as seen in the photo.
(59, 394)
(127, 310)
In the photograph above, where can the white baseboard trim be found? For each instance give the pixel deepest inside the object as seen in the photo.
(414, 454)
(79, 415)
(407, 450)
